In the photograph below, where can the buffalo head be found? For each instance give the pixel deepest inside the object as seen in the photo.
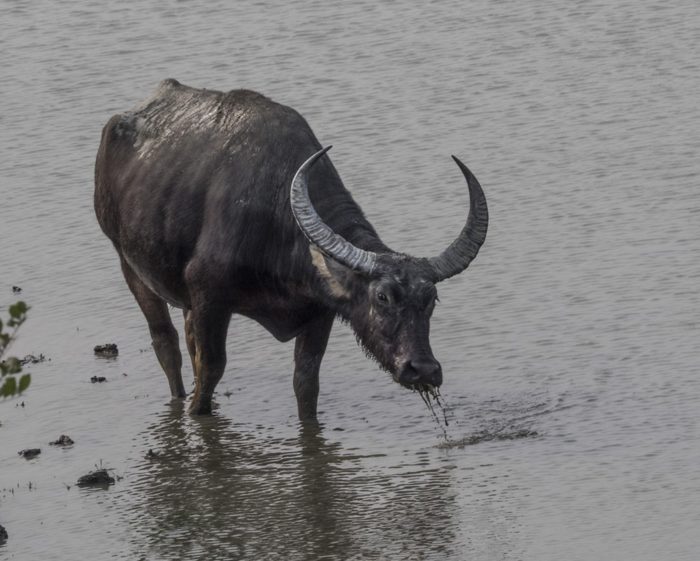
(388, 298)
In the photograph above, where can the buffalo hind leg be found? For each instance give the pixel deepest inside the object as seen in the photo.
(310, 345)
(189, 338)
(163, 334)
(208, 326)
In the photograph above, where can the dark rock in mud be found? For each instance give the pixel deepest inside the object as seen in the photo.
(98, 379)
(109, 350)
(30, 453)
(96, 478)
(32, 359)
(3, 534)
(63, 440)
(16, 289)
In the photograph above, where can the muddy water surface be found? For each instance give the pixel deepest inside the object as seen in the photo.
(570, 346)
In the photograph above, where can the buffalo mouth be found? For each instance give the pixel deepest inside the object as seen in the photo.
(423, 387)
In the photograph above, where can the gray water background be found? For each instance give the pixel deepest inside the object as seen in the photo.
(578, 320)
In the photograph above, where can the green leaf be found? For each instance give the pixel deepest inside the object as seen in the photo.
(24, 382)
(18, 309)
(13, 365)
(8, 388)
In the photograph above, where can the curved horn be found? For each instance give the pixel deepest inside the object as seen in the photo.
(317, 232)
(460, 253)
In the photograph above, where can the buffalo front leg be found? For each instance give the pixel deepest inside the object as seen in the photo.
(163, 334)
(208, 326)
(309, 348)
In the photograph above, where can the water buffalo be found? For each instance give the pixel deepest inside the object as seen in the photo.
(193, 189)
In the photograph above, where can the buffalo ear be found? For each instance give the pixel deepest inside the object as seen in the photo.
(337, 276)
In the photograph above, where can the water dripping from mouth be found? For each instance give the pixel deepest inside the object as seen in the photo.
(428, 394)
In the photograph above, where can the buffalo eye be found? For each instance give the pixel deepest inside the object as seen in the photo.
(382, 297)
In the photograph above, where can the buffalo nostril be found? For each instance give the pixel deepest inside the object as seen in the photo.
(426, 367)
(421, 371)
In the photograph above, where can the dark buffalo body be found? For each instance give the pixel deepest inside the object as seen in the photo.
(193, 190)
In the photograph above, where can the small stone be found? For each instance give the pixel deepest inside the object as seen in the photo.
(16, 289)
(98, 379)
(151, 454)
(97, 477)
(3, 534)
(30, 453)
(108, 350)
(63, 440)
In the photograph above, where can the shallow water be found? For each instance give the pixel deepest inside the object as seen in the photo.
(570, 346)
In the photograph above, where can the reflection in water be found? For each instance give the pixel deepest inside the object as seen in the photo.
(213, 492)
